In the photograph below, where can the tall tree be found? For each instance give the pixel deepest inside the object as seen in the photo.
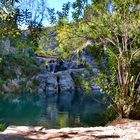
(115, 27)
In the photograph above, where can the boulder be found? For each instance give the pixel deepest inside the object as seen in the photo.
(42, 87)
(51, 83)
(65, 81)
(47, 82)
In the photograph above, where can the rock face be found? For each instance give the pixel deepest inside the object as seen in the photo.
(122, 130)
(64, 75)
(55, 82)
(51, 83)
(65, 81)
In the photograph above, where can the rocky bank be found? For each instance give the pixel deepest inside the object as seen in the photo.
(118, 130)
(65, 75)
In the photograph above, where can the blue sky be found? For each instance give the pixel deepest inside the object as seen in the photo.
(32, 5)
(57, 4)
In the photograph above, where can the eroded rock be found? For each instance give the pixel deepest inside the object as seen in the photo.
(65, 81)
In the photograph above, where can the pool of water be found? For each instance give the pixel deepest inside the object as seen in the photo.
(52, 111)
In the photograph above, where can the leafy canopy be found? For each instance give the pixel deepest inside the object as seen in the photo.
(115, 28)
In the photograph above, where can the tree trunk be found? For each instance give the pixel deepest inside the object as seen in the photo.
(125, 111)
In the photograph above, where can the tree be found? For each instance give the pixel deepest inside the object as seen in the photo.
(7, 14)
(115, 28)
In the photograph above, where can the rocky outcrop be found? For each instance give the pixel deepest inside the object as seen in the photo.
(55, 82)
(62, 81)
(68, 74)
(65, 81)
(122, 130)
(51, 83)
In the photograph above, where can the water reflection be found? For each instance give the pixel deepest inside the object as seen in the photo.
(52, 111)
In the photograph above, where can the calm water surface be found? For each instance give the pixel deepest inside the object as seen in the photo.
(51, 111)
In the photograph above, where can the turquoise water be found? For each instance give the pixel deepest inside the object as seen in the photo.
(51, 111)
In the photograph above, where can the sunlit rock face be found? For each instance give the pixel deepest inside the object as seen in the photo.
(64, 74)
(122, 130)
(62, 81)
(55, 82)
(65, 81)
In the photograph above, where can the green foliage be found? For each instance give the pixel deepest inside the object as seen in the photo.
(16, 46)
(110, 114)
(8, 25)
(117, 47)
(2, 126)
(22, 63)
(46, 37)
(2, 82)
(20, 67)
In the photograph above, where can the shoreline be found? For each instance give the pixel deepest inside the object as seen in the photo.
(122, 129)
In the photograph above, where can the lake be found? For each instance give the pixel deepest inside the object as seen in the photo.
(52, 110)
